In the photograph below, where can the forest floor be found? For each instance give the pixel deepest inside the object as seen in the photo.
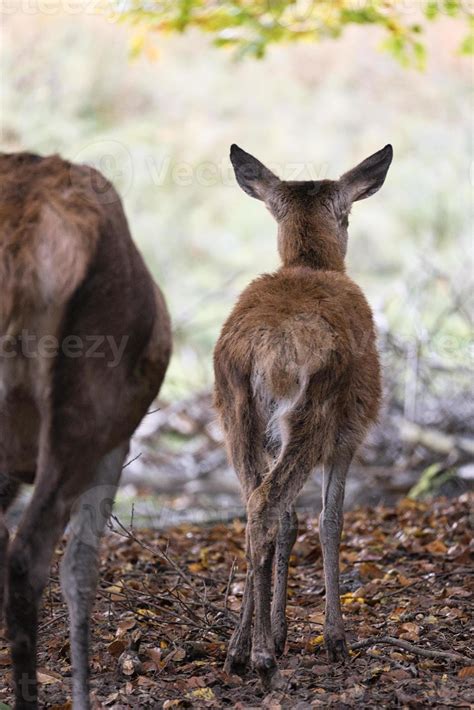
(168, 601)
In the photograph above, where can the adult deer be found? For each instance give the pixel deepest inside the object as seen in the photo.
(84, 346)
(297, 385)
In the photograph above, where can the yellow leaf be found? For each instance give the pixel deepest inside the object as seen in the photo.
(350, 598)
(203, 557)
(201, 694)
(147, 613)
(347, 595)
(137, 43)
(316, 640)
(116, 592)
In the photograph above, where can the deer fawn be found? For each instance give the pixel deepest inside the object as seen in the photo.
(297, 385)
(84, 346)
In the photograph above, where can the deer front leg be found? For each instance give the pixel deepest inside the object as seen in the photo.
(287, 534)
(330, 529)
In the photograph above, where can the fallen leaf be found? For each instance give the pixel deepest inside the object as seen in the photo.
(369, 570)
(317, 617)
(437, 547)
(466, 672)
(124, 626)
(116, 647)
(46, 677)
(201, 694)
(116, 592)
(155, 655)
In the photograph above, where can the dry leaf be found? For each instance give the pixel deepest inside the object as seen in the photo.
(466, 672)
(201, 694)
(46, 677)
(437, 547)
(369, 570)
(116, 647)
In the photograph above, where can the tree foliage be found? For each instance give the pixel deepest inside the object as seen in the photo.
(250, 26)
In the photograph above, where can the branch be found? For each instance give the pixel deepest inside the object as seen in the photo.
(433, 439)
(392, 641)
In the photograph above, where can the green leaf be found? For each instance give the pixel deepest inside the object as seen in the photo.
(252, 25)
(419, 52)
(467, 46)
(432, 9)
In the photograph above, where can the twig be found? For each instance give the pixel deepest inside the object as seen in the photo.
(392, 641)
(132, 460)
(51, 621)
(425, 578)
(291, 677)
(177, 569)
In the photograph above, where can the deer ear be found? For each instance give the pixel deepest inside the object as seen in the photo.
(252, 175)
(369, 176)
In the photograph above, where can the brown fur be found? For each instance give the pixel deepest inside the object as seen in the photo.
(68, 267)
(297, 385)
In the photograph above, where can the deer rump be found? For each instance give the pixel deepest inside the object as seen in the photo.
(49, 228)
(68, 267)
(301, 365)
(291, 363)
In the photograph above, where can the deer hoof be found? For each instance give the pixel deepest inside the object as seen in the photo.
(266, 667)
(336, 649)
(236, 662)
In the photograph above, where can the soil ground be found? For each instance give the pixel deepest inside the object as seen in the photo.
(167, 603)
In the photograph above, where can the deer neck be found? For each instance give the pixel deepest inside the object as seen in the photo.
(305, 244)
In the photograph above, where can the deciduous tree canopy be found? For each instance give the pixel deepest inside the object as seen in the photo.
(250, 26)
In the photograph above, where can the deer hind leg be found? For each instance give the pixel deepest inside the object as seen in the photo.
(8, 491)
(79, 567)
(240, 644)
(287, 534)
(265, 508)
(245, 445)
(29, 557)
(330, 529)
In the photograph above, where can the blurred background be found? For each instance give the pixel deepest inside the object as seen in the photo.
(157, 113)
